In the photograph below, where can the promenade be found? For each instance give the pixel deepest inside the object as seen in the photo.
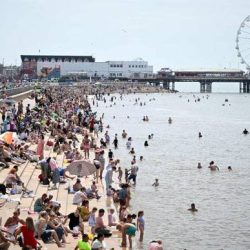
(29, 172)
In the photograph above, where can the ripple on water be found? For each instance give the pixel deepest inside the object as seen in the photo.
(223, 197)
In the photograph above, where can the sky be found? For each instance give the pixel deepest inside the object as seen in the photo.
(179, 34)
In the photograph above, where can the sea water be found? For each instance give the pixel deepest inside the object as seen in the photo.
(222, 197)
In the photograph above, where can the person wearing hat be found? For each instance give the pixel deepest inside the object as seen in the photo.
(83, 244)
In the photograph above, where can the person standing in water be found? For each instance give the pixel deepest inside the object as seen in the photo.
(115, 142)
(110, 154)
(124, 134)
(140, 224)
(213, 167)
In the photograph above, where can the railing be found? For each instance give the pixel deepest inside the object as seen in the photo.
(15, 91)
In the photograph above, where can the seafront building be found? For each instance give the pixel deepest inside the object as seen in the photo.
(55, 66)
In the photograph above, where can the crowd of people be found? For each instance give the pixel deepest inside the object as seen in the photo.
(64, 115)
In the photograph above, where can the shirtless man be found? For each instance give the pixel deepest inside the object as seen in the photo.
(213, 167)
(193, 208)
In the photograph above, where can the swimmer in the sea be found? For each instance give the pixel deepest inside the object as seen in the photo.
(124, 134)
(199, 165)
(213, 167)
(156, 183)
(193, 208)
(132, 151)
(245, 132)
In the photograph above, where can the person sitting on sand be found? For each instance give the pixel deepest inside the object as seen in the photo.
(193, 208)
(39, 204)
(77, 186)
(156, 183)
(12, 222)
(5, 241)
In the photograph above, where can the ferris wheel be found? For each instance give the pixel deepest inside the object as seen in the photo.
(243, 42)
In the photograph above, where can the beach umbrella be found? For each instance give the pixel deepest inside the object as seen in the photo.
(8, 137)
(81, 168)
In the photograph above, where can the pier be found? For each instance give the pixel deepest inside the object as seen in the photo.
(205, 78)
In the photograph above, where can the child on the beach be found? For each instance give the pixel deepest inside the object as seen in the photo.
(92, 220)
(110, 191)
(111, 218)
(140, 225)
(123, 213)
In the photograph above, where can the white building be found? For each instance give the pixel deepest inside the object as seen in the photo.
(86, 64)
